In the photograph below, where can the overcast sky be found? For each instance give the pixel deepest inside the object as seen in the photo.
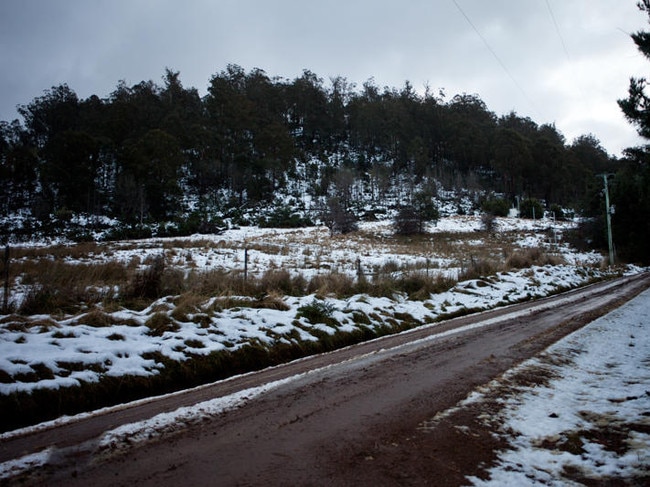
(555, 61)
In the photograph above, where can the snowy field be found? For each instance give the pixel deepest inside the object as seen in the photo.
(125, 349)
(59, 351)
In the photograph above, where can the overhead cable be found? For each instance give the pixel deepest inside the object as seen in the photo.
(498, 59)
(557, 29)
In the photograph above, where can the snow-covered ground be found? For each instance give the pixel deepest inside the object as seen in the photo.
(125, 347)
(44, 351)
(48, 351)
(554, 430)
(602, 380)
(310, 251)
(590, 424)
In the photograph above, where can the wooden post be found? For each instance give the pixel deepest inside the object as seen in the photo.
(245, 264)
(5, 303)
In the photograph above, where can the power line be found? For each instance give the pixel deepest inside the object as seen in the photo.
(557, 29)
(498, 59)
(566, 52)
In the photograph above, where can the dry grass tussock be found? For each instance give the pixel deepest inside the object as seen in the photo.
(523, 259)
(60, 287)
(187, 304)
(482, 265)
(271, 301)
(81, 250)
(203, 243)
(220, 282)
(332, 284)
(56, 286)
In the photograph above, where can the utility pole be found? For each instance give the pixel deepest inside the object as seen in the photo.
(608, 215)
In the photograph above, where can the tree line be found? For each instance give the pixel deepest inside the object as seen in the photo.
(158, 152)
(144, 151)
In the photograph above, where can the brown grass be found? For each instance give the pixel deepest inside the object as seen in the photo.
(523, 259)
(81, 250)
(331, 284)
(187, 304)
(281, 281)
(58, 286)
(214, 282)
(203, 243)
(271, 301)
(478, 268)
(96, 318)
(159, 323)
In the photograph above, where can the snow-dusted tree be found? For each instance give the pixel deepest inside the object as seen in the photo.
(489, 222)
(411, 219)
(338, 218)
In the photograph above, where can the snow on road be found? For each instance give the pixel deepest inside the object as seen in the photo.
(592, 421)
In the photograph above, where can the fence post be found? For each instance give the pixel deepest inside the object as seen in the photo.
(245, 264)
(5, 303)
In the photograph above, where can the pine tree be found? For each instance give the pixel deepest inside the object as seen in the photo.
(636, 106)
(631, 186)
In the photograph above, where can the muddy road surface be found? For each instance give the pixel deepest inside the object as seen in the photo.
(351, 417)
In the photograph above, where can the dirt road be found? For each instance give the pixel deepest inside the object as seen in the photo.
(354, 420)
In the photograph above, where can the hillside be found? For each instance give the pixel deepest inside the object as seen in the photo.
(162, 160)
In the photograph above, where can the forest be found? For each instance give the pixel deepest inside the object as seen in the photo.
(162, 153)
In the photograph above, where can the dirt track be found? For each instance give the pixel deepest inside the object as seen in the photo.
(355, 420)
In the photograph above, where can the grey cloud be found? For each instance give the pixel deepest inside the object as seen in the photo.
(91, 44)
